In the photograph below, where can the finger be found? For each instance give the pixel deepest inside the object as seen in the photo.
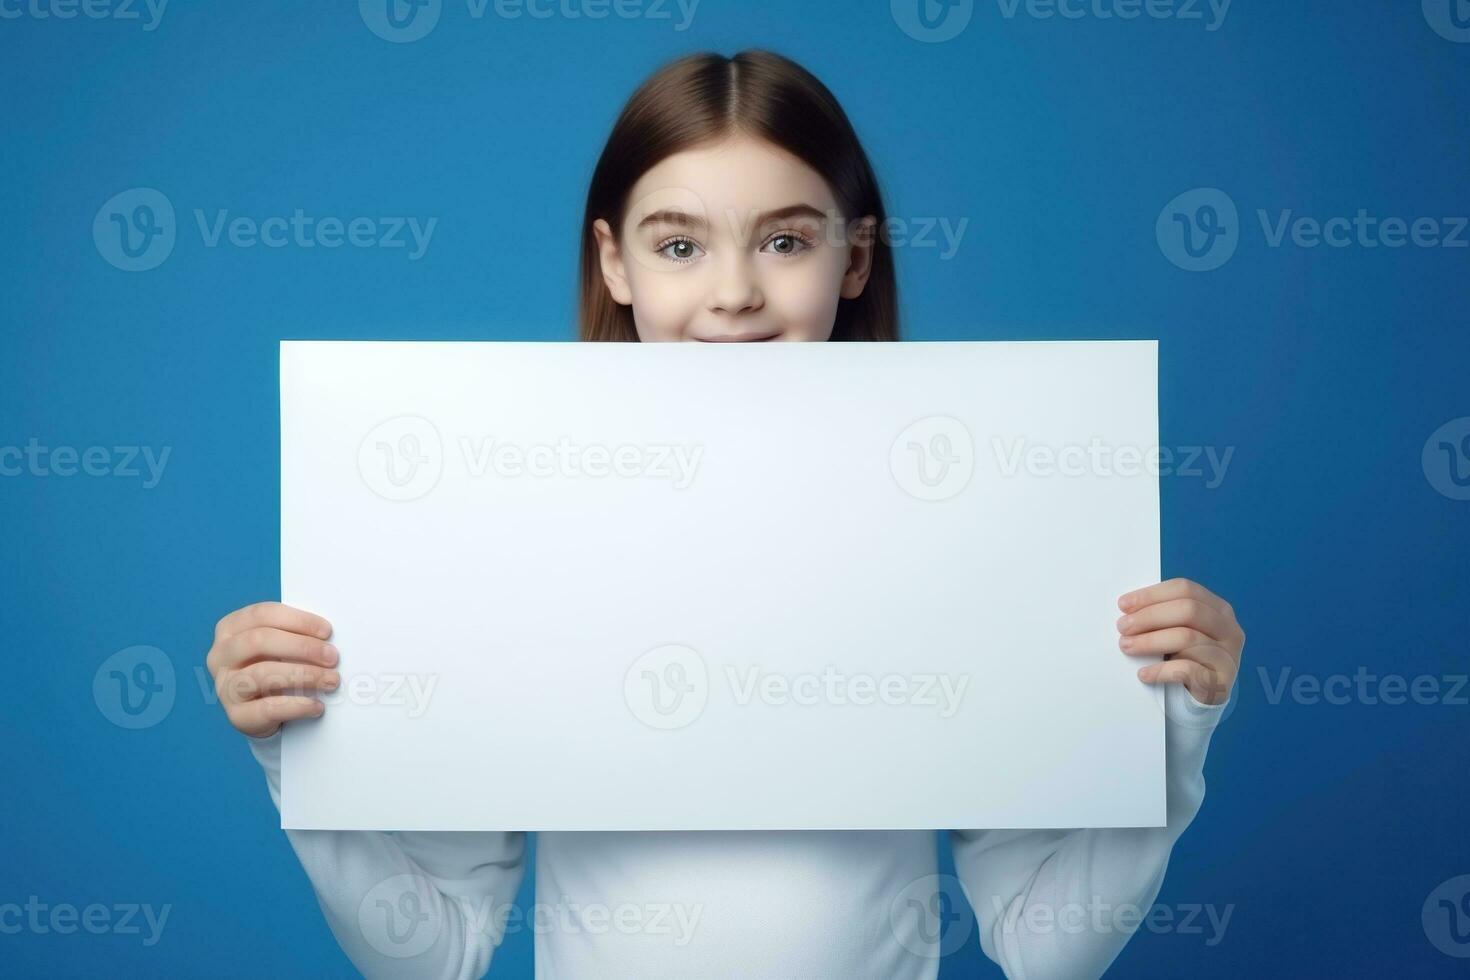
(268, 643)
(1201, 681)
(1181, 643)
(1174, 588)
(1191, 613)
(263, 716)
(1212, 657)
(272, 677)
(276, 615)
(1175, 639)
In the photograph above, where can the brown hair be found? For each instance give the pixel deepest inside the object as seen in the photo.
(702, 98)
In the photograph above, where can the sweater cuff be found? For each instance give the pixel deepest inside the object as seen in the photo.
(1183, 709)
(267, 752)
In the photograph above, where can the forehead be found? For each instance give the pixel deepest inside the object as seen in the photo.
(740, 174)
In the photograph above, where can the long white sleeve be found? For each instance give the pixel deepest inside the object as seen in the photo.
(407, 904)
(1063, 903)
(723, 904)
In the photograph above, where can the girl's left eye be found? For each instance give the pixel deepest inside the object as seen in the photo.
(788, 243)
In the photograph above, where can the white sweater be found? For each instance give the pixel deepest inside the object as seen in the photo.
(692, 905)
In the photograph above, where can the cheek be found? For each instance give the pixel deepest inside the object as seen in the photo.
(803, 298)
(663, 304)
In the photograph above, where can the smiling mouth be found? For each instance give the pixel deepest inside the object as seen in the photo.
(740, 338)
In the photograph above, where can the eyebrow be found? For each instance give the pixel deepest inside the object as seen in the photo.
(674, 216)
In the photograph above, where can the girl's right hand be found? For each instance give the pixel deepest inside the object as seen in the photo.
(266, 648)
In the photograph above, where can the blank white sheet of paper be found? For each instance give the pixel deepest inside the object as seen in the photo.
(587, 586)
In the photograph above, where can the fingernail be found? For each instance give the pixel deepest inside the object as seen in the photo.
(333, 678)
(1126, 643)
(1143, 673)
(319, 708)
(330, 653)
(1126, 601)
(1124, 622)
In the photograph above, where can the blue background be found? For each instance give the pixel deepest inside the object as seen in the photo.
(1326, 826)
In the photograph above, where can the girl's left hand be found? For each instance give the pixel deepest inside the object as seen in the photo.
(1194, 629)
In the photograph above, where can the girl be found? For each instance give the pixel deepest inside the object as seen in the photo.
(734, 203)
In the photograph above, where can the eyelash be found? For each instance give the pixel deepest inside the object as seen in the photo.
(804, 240)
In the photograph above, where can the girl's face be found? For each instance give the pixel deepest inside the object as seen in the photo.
(738, 241)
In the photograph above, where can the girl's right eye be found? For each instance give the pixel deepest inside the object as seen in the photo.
(680, 250)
